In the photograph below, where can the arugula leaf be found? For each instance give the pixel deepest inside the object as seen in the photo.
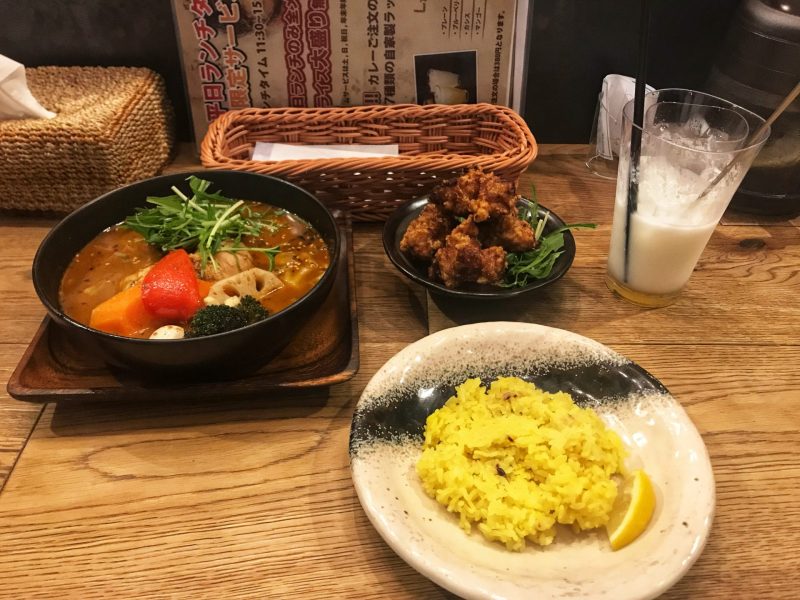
(524, 267)
(203, 222)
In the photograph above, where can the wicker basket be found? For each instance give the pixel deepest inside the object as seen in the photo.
(435, 142)
(113, 126)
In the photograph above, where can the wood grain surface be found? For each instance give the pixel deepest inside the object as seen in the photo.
(252, 498)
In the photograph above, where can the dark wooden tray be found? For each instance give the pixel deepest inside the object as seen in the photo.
(324, 352)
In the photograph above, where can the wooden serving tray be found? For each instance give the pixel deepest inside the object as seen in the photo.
(324, 352)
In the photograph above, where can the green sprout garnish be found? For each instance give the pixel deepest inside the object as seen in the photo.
(207, 222)
(524, 267)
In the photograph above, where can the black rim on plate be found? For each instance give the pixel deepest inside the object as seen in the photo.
(417, 270)
(406, 407)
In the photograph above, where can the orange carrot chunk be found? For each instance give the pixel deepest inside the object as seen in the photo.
(124, 314)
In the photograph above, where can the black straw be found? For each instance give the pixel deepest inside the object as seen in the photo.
(636, 128)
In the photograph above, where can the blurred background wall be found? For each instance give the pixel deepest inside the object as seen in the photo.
(574, 44)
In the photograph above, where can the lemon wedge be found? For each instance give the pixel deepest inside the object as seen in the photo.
(632, 510)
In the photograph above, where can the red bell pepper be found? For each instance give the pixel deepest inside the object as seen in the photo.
(170, 288)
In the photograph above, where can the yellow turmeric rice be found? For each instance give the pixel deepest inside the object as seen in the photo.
(514, 461)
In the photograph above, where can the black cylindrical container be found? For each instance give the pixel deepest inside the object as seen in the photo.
(758, 65)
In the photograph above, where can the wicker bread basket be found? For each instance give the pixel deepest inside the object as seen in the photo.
(435, 142)
(113, 125)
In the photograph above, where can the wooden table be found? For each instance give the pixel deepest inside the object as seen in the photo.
(253, 498)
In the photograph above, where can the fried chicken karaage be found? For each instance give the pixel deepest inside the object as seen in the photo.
(476, 193)
(510, 232)
(426, 234)
(462, 260)
(475, 250)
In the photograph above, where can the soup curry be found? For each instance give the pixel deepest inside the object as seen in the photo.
(117, 258)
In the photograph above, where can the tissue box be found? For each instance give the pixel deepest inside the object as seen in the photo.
(114, 125)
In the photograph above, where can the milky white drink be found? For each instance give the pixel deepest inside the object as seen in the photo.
(685, 178)
(668, 230)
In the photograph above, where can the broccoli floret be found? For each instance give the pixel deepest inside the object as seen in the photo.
(217, 318)
(252, 309)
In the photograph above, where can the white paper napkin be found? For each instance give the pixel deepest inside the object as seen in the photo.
(16, 100)
(617, 90)
(272, 151)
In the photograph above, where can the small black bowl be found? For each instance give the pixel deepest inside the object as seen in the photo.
(218, 356)
(417, 270)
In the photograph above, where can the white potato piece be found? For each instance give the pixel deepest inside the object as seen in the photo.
(168, 332)
(254, 282)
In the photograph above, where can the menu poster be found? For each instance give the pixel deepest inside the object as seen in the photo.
(301, 53)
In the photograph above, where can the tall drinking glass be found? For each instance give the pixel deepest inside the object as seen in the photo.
(688, 139)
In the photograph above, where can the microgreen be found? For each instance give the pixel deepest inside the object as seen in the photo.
(206, 222)
(523, 267)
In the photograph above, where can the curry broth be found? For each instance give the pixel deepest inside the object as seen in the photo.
(98, 270)
(301, 262)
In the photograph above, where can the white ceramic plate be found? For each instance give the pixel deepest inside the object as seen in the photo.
(386, 440)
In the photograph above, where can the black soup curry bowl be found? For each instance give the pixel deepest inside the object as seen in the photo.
(220, 356)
